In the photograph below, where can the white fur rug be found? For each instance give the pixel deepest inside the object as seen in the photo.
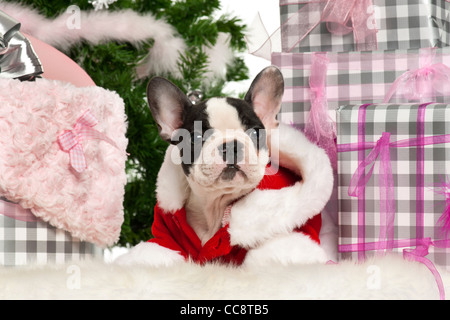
(380, 278)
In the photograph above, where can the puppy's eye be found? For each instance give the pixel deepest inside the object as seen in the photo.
(258, 136)
(196, 137)
(253, 133)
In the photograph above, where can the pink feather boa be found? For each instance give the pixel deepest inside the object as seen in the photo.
(36, 173)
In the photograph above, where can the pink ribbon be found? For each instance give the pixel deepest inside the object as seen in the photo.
(386, 183)
(380, 151)
(71, 140)
(16, 212)
(320, 128)
(424, 83)
(418, 254)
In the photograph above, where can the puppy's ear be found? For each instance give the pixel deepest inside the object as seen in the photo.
(167, 104)
(265, 95)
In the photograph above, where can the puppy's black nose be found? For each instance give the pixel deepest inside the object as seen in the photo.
(232, 152)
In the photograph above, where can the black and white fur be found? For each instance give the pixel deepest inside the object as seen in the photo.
(218, 154)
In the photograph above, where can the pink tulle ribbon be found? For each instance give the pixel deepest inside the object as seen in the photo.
(423, 84)
(386, 186)
(320, 128)
(71, 140)
(419, 254)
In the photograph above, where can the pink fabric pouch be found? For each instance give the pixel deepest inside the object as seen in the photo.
(39, 174)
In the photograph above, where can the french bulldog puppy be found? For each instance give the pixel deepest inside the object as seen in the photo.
(211, 206)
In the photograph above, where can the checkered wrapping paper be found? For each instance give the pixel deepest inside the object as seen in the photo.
(401, 24)
(401, 121)
(37, 242)
(352, 78)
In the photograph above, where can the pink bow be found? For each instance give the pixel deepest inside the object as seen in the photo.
(424, 83)
(71, 140)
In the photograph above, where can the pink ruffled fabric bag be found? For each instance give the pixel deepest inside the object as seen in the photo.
(40, 173)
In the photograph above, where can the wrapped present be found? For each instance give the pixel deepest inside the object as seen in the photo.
(393, 165)
(363, 25)
(316, 84)
(26, 239)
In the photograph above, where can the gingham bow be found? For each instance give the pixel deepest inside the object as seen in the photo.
(71, 140)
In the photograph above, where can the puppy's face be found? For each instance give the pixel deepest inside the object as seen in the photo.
(222, 144)
(221, 141)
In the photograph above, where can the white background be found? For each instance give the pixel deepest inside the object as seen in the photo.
(247, 10)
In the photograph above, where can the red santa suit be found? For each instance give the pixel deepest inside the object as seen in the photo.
(171, 230)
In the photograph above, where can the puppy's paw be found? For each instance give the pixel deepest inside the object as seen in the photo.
(150, 254)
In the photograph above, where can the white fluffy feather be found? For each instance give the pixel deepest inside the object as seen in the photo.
(220, 56)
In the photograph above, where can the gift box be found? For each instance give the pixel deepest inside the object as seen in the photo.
(328, 80)
(316, 84)
(25, 239)
(363, 25)
(393, 166)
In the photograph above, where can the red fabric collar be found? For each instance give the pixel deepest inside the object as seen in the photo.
(172, 231)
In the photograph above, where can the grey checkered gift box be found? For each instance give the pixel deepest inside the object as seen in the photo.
(351, 78)
(414, 137)
(401, 24)
(25, 240)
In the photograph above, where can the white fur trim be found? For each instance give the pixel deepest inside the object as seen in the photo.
(150, 254)
(293, 248)
(265, 213)
(171, 186)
